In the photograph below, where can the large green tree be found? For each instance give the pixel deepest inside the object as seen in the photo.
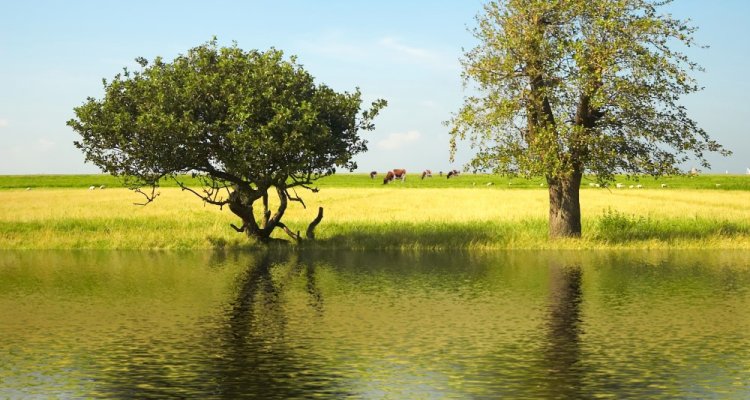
(567, 87)
(247, 124)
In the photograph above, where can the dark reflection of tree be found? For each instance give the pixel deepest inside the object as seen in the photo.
(257, 360)
(562, 356)
(245, 354)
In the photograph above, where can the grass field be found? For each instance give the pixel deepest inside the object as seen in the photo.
(724, 182)
(362, 214)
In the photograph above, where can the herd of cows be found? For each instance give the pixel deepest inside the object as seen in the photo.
(400, 173)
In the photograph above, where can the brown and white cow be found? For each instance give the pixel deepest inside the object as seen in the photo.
(373, 174)
(397, 173)
(388, 177)
(453, 173)
(426, 174)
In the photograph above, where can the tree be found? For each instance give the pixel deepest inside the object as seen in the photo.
(244, 123)
(567, 87)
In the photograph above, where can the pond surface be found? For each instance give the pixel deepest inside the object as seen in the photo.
(375, 325)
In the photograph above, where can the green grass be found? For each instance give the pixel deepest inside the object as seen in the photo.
(361, 213)
(611, 230)
(467, 180)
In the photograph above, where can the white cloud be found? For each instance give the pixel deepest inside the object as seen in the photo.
(398, 140)
(415, 53)
(3, 123)
(335, 44)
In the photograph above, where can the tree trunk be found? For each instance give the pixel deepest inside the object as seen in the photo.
(564, 206)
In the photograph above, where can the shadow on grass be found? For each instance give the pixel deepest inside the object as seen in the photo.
(432, 235)
(613, 229)
(404, 236)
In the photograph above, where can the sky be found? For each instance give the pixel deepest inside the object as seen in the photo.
(54, 54)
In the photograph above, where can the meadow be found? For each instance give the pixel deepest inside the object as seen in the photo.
(60, 212)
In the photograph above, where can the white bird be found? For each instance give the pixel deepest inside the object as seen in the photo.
(92, 187)
(28, 188)
(591, 184)
(488, 184)
(597, 185)
(663, 185)
(620, 186)
(639, 186)
(631, 186)
(718, 184)
(102, 187)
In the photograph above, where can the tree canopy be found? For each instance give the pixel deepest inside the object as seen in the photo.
(244, 122)
(566, 87)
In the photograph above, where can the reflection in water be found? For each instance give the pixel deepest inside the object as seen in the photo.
(562, 353)
(255, 355)
(374, 325)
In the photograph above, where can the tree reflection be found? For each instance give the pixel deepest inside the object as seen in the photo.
(257, 360)
(562, 354)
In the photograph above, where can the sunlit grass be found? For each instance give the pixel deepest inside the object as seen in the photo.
(380, 218)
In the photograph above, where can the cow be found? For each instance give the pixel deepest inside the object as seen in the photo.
(426, 174)
(395, 174)
(373, 174)
(388, 177)
(453, 173)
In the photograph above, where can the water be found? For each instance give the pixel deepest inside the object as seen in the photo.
(375, 325)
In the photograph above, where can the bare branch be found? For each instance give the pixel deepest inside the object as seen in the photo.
(149, 198)
(208, 193)
(295, 236)
(295, 198)
(311, 228)
(241, 229)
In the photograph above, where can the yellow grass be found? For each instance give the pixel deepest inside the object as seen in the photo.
(79, 218)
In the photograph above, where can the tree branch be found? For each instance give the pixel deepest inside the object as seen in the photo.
(207, 196)
(311, 228)
(296, 198)
(149, 198)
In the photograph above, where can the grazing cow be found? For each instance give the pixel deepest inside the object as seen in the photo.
(372, 174)
(388, 177)
(453, 173)
(395, 174)
(426, 174)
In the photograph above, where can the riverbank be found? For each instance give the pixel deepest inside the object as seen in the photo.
(391, 217)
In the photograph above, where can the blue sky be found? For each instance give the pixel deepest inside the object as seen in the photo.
(53, 54)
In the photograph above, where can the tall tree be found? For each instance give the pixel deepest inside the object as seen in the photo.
(245, 123)
(567, 87)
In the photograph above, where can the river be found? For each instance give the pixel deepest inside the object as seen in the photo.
(301, 324)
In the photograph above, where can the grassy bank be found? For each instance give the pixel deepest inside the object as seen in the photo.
(712, 182)
(481, 217)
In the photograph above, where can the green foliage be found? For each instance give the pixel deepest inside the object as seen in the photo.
(618, 228)
(240, 121)
(615, 224)
(571, 86)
